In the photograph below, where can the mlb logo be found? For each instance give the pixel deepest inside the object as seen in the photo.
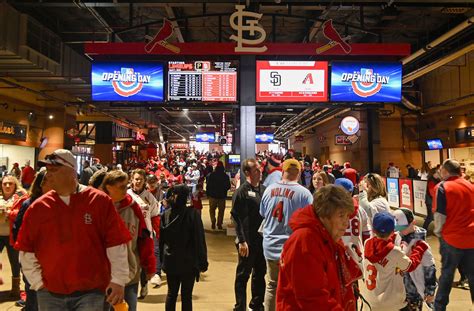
(127, 71)
(366, 71)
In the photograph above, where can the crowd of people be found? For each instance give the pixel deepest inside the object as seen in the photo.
(309, 235)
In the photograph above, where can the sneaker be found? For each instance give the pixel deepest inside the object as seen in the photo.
(20, 303)
(156, 281)
(143, 291)
(464, 284)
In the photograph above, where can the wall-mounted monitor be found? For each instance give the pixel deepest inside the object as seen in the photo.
(292, 81)
(127, 81)
(234, 159)
(210, 81)
(264, 138)
(434, 144)
(205, 137)
(366, 81)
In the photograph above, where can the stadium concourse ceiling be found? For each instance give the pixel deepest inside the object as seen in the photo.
(78, 22)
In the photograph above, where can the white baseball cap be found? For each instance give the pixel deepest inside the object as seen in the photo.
(60, 157)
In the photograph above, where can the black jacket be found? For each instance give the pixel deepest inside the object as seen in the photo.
(246, 213)
(218, 183)
(182, 242)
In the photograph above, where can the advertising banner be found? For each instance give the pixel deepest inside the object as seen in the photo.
(392, 192)
(419, 193)
(205, 137)
(405, 187)
(127, 81)
(292, 81)
(366, 82)
(264, 138)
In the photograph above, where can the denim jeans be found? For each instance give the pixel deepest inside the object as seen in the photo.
(451, 258)
(157, 256)
(13, 255)
(131, 296)
(272, 281)
(87, 301)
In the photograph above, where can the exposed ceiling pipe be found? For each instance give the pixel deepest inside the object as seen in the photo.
(327, 119)
(409, 104)
(436, 64)
(466, 24)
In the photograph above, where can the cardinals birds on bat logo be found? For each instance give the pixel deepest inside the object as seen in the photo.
(334, 39)
(160, 39)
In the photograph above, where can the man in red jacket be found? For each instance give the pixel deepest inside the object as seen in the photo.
(316, 273)
(453, 208)
(27, 175)
(350, 173)
(73, 244)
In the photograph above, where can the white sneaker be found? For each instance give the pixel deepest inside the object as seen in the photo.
(143, 291)
(156, 281)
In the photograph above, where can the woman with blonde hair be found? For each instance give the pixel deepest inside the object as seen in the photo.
(373, 196)
(11, 192)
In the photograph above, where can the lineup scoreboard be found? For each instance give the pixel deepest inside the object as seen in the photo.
(210, 81)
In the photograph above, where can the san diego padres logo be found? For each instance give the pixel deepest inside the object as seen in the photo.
(126, 82)
(365, 83)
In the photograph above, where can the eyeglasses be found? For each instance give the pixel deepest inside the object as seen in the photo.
(53, 158)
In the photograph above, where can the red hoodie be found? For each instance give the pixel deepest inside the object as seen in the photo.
(315, 271)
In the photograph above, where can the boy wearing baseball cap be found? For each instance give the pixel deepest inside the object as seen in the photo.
(384, 264)
(420, 284)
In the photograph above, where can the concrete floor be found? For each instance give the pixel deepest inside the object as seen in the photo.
(216, 289)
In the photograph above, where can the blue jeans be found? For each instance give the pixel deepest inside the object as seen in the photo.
(131, 296)
(451, 258)
(86, 301)
(157, 256)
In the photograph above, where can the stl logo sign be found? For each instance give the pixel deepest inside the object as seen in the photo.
(251, 27)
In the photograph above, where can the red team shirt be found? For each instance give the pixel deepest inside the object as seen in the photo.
(70, 241)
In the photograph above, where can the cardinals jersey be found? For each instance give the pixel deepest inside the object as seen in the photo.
(356, 233)
(279, 201)
(148, 204)
(383, 267)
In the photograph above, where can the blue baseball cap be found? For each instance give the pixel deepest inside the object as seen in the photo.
(383, 222)
(345, 183)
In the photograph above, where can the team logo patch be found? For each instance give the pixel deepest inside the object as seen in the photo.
(126, 82)
(365, 83)
(88, 219)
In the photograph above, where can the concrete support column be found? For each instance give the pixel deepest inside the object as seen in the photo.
(373, 133)
(247, 123)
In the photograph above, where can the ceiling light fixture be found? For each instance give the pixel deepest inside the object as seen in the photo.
(51, 117)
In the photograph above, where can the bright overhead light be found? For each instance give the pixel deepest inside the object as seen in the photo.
(185, 110)
(289, 109)
(183, 139)
(51, 117)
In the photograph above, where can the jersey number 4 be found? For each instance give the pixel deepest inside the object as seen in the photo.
(278, 211)
(371, 281)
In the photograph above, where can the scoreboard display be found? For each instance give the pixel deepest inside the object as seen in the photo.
(211, 81)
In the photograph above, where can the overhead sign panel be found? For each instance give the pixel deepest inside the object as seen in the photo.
(202, 81)
(205, 137)
(264, 138)
(366, 82)
(292, 81)
(127, 81)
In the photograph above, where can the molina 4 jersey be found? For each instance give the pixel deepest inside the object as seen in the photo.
(278, 203)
